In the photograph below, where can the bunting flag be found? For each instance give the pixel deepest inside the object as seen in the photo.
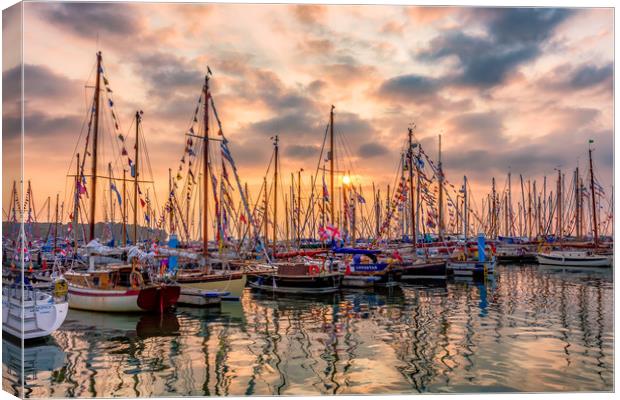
(115, 190)
(142, 203)
(325, 191)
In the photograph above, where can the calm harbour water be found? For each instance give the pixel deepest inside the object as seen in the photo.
(529, 329)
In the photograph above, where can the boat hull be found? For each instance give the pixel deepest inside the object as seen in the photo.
(40, 318)
(431, 270)
(592, 261)
(306, 284)
(235, 284)
(474, 269)
(151, 299)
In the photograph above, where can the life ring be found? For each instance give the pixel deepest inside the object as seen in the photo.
(314, 269)
(135, 278)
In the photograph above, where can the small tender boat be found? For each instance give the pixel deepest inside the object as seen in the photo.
(297, 278)
(470, 268)
(199, 297)
(423, 269)
(572, 258)
(366, 270)
(43, 313)
(119, 288)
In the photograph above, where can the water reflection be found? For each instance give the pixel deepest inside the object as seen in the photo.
(529, 329)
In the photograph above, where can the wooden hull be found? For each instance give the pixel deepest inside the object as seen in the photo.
(233, 284)
(429, 270)
(590, 261)
(306, 284)
(150, 299)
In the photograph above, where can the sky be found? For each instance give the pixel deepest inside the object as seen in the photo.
(520, 90)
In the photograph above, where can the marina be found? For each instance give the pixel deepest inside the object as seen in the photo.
(215, 228)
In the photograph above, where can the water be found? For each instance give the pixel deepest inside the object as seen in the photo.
(529, 329)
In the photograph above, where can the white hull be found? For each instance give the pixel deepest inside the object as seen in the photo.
(469, 268)
(41, 314)
(233, 286)
(103, 300)
(584, 261)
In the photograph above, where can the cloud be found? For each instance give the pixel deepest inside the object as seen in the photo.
(478, 128)
(410, 88)
(582, 77)
(369, 150)
(302, 151)
(310, 14)
(513, 37)
(92, 19)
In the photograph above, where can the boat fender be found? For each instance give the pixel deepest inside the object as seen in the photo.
(314, 269)
(60, 288)
(136, 279)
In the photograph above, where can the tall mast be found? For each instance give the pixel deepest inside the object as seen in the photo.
(577, 204)
(510, 232)
(441, 225)
(266, 213)
(93, 192)
(331, 164)
(524, 220)
(135, 180)
(299, 207)
(493, 211)
(411, 200)
(559, 206)
(205, 172)
(275, 196)
(417, 193)
(465, 209)
(76, 205)
(124, 207)
(56, 226)
(594, 221)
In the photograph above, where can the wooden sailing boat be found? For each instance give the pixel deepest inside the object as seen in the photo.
(116, 287)
(299, 275)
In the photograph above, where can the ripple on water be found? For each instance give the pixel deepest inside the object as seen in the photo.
(529, 329)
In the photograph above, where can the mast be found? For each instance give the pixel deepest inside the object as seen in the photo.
(93, 194)
(411, 201)
(135, 180)
(56, 226)
(205, 173)
(594, 221)
(275, 196)
(441, 226)
(577, 204)
(76, 205)
(559, 206)
(299, 207)
(493, 211)
(523, 210)
(417, 193)
(266, 212)
(510, 232)
(124, 207)
(331, 164)
(465, 209)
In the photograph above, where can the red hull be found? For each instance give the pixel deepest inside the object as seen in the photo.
(159, 298)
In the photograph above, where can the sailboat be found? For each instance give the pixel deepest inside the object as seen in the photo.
(110, 284)
(578, 257)
(299, 274)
